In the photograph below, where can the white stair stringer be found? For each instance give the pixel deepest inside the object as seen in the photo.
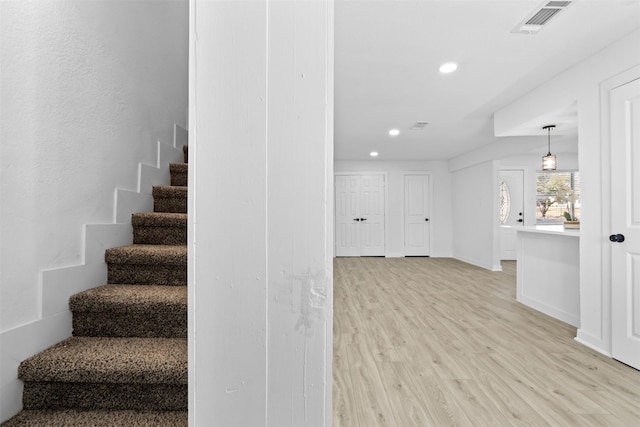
(128, 201)
(59, 284)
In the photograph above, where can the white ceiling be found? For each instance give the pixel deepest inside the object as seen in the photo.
(387, 55)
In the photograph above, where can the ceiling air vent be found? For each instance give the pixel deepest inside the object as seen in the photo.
(419, 125)
(541, 17)
(558, 4)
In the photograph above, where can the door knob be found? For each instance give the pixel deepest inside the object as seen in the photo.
(617, 238)
(520, 220)
(363, 219)
(356, 219)
(426, 219)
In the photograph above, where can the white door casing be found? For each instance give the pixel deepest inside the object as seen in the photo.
(514, 180)
(360, 215)
(625, 221)
(417, 225)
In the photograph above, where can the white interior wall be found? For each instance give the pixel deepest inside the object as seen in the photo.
(475, 215)
(582, 83)
(440, 215)
(87, 89)
(260, 213)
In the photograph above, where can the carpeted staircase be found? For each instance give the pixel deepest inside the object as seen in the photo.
(126, 364)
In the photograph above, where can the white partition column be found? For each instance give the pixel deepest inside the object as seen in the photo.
(260, 213)
(548, 271)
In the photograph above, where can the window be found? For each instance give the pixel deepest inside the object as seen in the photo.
(557, 193)
(505, 202)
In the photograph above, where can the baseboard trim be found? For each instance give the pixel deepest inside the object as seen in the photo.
(478, 264)
(58, 284)
(394, 255)
(593, 343)
(20, 343)
(554, 312)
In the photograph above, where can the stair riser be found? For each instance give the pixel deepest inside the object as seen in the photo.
(95, 418)
(160, 235)
(170, 204)
(142, 274)
(144, 397)
(144, 325)
(179, 179)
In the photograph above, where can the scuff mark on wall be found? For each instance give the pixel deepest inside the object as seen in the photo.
(307, 297)
(313, 300)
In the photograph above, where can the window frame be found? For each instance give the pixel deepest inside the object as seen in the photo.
(574, 178)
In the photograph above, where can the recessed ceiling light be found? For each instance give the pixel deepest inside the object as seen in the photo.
(449, 67)
(394, 132)
(373, 154)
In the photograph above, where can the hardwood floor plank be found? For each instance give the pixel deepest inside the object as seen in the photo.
(371, 403)
(600, 420)
(437, 342)
(344, 413)
(627, 414)
(474, 403)
(405, 399)
(495, 385)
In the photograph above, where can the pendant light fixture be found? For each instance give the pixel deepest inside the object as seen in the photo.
(549, 161)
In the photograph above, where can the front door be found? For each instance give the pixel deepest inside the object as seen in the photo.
(511, 210)
(625, 223)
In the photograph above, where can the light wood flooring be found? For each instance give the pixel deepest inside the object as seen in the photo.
(437, 342)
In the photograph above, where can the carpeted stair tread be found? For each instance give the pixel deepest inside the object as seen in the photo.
(179, 167)
(159, 219)
(170, 198)
(179, 174)
(130, 311)
(132, 299)
(147, 255)
(109, 360)
(103, 418)
(126, 364)
(170, 191)
(159, 228)
(111, 396)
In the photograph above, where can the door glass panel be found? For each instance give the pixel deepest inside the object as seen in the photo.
(505, 202)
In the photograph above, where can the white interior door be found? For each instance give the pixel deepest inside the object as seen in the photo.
(372, 215)
(625, 218)
(416, 215)
(512, 210)
(347, 215)
(359, 215)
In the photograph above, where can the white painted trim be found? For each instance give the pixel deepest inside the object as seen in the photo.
(59, 284)
(602, 343)
(404, 218)
(192, 109)
(20, 343)
(549, 310)
(495, 259)
(385, 174)
(394, 255)
(477, 264)
(591, 342)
